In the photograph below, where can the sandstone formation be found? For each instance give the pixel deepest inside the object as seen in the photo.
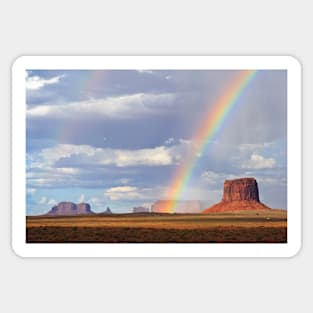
(83, 208)
(70, 208)
(107, 211)
(241, 189)
(239, 194)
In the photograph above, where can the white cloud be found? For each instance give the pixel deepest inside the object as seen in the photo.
(52, 202)
(42, 200)
(213, 178)
(42, 171)
(123, 193)
(96, 202)
(158, 156)
(147, 205)
(257, 161)
(145, 71)
(67, 170)
(31, 190)
(185, 141)
(50, 155)
(122, 189)
(37, 82)
(152, 157)
(38, 181)
(81, 199)
(119, 107)
(169, 141)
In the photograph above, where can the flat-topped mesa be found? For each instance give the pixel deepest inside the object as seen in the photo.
(70, 208)
(242, 189)
(83, 208)
(239, 195)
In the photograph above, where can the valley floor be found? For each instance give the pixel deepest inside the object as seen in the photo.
(269, 226)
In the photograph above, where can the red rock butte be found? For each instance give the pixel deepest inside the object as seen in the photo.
(239, 194)
(70, 208)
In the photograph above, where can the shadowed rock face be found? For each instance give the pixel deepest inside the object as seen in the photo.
(70, 208)
(241, 189)
(239, 194)
(83, 208)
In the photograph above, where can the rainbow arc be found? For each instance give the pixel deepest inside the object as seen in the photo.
(213, 122)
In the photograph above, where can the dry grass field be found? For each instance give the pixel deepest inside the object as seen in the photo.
(268, 226)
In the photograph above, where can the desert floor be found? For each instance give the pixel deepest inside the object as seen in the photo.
(241, 227)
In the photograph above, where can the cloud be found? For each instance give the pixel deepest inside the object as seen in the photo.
(122, 189)
(245, 147)
(31, 190)
(169, 141)
(97, 203)
(123, 193)
(42, 200)
(147, 205)
(37, 82)
(158, 156)
(67, 170)
(152, 157)
(274, 181)
(81, 199)
(145, 71)
(67, 165)
(139, 114)
(257, 161)
(119, 107)
(131, 193)
(52, 202)
(67, 150)
(213, 178)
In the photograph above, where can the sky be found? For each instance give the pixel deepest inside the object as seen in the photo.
(116, 138)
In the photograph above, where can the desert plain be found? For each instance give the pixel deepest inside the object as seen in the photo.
(263, 226)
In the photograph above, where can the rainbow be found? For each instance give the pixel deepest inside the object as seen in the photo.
(88, 81)
(210, 126)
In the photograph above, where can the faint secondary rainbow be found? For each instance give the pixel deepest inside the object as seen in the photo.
(88, 82)
(212, 123)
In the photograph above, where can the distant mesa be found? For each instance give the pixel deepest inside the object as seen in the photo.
(70, 208)
(141, 209)
(181, 206)
(107, 211)
(239, 194)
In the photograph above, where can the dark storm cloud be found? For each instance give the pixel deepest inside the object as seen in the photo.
(136, 110)
(259, 117)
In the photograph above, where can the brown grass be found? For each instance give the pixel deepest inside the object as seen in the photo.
(263, 226)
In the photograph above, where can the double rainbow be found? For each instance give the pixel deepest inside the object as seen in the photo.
(212, 123)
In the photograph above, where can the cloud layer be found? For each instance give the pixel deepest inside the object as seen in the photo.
(116, 138)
